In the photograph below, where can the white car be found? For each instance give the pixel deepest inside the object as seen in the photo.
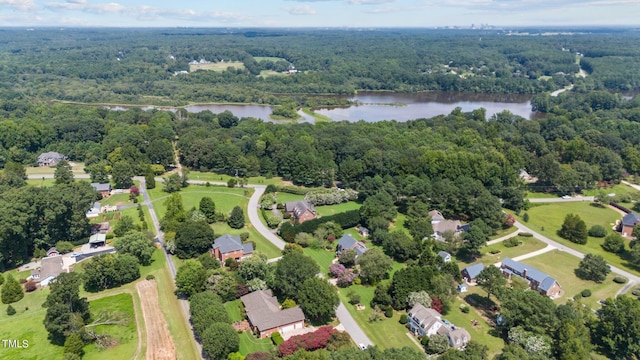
(362, 347)
(566, 197)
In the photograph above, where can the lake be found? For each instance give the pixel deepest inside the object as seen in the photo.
(379, 106)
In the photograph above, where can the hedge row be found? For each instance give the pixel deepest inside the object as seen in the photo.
(347, 219)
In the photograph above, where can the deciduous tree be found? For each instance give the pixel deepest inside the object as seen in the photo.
(593, 267)
(318, 299)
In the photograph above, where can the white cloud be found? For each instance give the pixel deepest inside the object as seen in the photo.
(300, 10)
(370, 2)
(22, 5)
(77, 1)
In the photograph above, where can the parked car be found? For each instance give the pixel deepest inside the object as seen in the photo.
(566, 197)
(362, 347)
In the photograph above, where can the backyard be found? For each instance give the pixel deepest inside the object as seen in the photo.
(500, 251)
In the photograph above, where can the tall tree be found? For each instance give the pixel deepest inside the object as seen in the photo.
(236, 219)
(175, 213)
(190, 278)
(219, 340)
(491, 280)
(137, 244)
(122, 174)
(208, 208)
(193, 238)
(291, 272)
(318, 299)
(618, 326)
(374, 265)
(11, 290)
(574, 229)
(13, 176)
(593, 267)
(63, 174)
(67, 312)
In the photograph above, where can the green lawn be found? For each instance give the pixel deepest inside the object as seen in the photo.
(327, 210)
(116, 199)
(398, 223)
(234, 310)
(249, 344)
(284, 197)
(126, 335)
(41, 182)
(225, 199)
(386, 333)
(618, 189)
(503, 232)
(547, 219)
(541, 195)
(322, 257)
(77, 168)
(561, 265)
(215, 177)
(528, 245)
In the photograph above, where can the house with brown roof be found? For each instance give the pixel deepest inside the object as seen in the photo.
(300, 210)
(441, 226)
(230, 247)
(266, 316)
(50, 268)
(424, 321)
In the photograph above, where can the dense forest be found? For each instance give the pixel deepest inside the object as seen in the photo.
(140, 66)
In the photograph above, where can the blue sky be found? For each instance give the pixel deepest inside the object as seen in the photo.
(317, 13)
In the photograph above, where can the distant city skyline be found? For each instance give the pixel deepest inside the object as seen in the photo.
(318, 13)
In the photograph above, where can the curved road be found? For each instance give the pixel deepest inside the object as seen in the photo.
(348, 322)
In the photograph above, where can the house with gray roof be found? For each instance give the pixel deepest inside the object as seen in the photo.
(230, 247)
(424, 321)
(300, 210)
(94, 211)
(441, 225)
(50, 268)
(628, 223)
(266, 316)
(445, 256)
(347, 242)
(537, 280)
(103, 188)
(471, 272)
(50, 158)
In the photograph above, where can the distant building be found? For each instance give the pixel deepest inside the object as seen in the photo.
(50, 158)
(347, 242)
(363, 231)
(423, 321)
(537, 280)
(103, 188)
(441, 225)
(50, 268)
(445, 256)
(98, 239)
(470, 273)
(300, 210)
(230, 247)
(94, 211)
(266, 316)
(629, 222)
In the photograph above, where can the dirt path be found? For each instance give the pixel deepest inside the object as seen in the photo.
(160, 344)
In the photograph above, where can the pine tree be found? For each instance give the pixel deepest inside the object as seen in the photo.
(11, 291)
(236, 219)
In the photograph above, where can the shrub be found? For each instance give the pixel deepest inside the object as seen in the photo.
(64, 247)
(1, 279)
(597, 231)
(620, 280)
(30, 286)
(277, 339)
(388, 312)
(310, 341)
(150, 277)
(11, 310)
(465, 309)
(495, 252)
(330, 196)
(512, 242)
(586, 293)
(525, 217)
(22, 280)
(354, 298)
(270, 189)
(110, 236)
(636, 292)
(403, 319)
(577, 297)
(244, 237)
(525, 234)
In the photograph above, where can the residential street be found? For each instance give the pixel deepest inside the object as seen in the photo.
(559, 199)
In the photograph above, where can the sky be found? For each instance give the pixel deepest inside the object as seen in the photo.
(317, 13)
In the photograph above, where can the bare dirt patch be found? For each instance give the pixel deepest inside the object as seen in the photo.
(160, 344)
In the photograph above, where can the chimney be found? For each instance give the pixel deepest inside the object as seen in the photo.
(524, 273)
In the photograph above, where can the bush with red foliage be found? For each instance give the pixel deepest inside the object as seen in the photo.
(260, 355)
(436, 304)
(30, 286)
(310, 341)
(509, 220)
(331, 238)
(134, 191)
(242, 290)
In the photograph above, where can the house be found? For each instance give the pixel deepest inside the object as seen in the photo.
(628, 223)
(300, 210)
(363, 231)
(441, 226)
(445, 256)
(50, 268)
(538, 281)
(53, 252)
(347, 242)
(94, 211)
(423, 321)
(50, 158)
(98, 239)
(470, 273)
(463, 288)
(103, 188)
(524, 175)
(101, 228)
(230, 247)
(266, 316)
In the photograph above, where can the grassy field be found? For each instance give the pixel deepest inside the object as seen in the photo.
(503, 232)
(41, 182)
(547, 219)
(327, 210)
(234, 310)
(126, 335)
(618, 189)
(76, 168)
(386, 333)
(528, 245)
(322, 257)
(217, 66)
(249, 344)
(398, 223)
(268, 58)
(561, 265)
(283, 197)
(317, 117)
(215, 177)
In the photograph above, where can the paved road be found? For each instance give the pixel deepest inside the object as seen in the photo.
(559, 199)
(347, 321)
(633, 279)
